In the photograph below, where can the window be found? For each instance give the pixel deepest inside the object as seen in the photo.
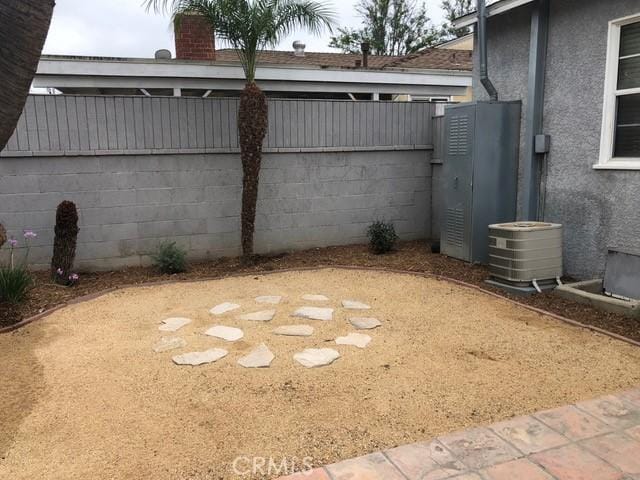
(620, 147)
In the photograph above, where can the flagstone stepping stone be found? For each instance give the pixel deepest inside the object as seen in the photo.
(355, 305)
(223, 308)
(316, 357)
(365, 323)
(271, 299)
(169, 343)
(314, 313)
(294, 330)
(230, 334)
(359, 340)
(259, 357)
(199, 358)
(262, 316)
(173, 324)
(315, 298)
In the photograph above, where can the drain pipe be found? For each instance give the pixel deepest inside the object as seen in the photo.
(534, 158)
(482, 50)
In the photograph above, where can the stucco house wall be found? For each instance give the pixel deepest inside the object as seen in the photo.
(599, 208)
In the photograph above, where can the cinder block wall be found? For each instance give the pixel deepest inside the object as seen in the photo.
(130, 203)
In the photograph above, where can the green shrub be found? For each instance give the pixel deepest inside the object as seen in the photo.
(382, 236)
(170, 258)
(14, 284)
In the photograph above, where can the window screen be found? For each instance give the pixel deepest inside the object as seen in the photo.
(627, 138)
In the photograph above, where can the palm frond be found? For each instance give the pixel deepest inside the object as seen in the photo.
(301, 14)
(251, 25)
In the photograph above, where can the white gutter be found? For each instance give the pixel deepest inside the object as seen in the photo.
(133, 68)
(494, 9)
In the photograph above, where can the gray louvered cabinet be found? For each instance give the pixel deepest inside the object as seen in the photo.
(479, 175)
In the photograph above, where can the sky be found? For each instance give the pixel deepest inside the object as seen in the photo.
(123, 28)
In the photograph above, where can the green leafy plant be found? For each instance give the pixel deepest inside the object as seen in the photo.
(382, 236)
(14, 284)
(170, 258)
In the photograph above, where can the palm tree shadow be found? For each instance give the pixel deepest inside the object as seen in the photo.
(23, 383)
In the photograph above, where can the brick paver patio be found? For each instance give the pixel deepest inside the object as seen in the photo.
(593, 440)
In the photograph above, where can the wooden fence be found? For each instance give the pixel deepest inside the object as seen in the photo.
(67, 125)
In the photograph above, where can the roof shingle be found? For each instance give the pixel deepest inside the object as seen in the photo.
(430, 59)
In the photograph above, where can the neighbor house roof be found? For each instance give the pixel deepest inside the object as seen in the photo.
(496, 8)
(428, 59)
(430, 72)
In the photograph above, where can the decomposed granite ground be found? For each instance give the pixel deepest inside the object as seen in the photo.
(84, 394)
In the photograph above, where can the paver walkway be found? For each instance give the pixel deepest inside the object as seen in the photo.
(593, 440)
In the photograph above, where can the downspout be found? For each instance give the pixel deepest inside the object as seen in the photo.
(532, 160)
(482, 50)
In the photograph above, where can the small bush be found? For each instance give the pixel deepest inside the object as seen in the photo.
(14, 284)
(382, 237)
(170, 258)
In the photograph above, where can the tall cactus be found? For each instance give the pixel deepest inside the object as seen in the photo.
(64, 245)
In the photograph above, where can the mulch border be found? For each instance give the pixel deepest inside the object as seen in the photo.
(92, 296)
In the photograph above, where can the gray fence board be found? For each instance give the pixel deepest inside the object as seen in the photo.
(70, 124)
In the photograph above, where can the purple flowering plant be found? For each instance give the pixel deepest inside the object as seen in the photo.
(66, 279)
(14, 244)
(15, 279)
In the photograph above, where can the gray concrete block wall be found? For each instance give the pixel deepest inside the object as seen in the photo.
(130, 203)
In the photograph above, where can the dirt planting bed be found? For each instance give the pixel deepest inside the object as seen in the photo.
(412, 256)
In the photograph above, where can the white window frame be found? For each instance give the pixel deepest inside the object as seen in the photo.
(611, 93)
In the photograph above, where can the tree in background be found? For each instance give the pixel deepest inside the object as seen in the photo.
(399, 27)
(392, 27)
(24, 25)
(454, 9)
(250, 26)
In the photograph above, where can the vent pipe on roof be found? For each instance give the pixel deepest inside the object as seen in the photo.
(364, 46)
(482, 51)
(162, 54)
(298, 48)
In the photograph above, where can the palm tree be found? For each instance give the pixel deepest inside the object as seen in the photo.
(24, 25)
(250, 26)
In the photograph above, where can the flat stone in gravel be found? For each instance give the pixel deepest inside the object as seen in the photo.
(271, 299)
(262, 316)
(259, 357)
(316, 357)
(314, 313)
(315, 298)
(365, 323)
(294, 330)
(355, 305)
(223, 308)
(169, 343)
(199, 358)
(230, 334)
(173, 324)
(359, 340)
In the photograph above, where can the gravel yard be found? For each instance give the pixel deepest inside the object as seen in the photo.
(85, 396)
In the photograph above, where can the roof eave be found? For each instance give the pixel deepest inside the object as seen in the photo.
(497, 8)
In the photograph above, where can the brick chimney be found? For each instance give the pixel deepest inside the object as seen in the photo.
(194, 38)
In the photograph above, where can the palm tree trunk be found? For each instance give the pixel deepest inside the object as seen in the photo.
(23, 29)
(252, 127)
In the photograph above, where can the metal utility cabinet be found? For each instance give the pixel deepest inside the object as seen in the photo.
(480, 175)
